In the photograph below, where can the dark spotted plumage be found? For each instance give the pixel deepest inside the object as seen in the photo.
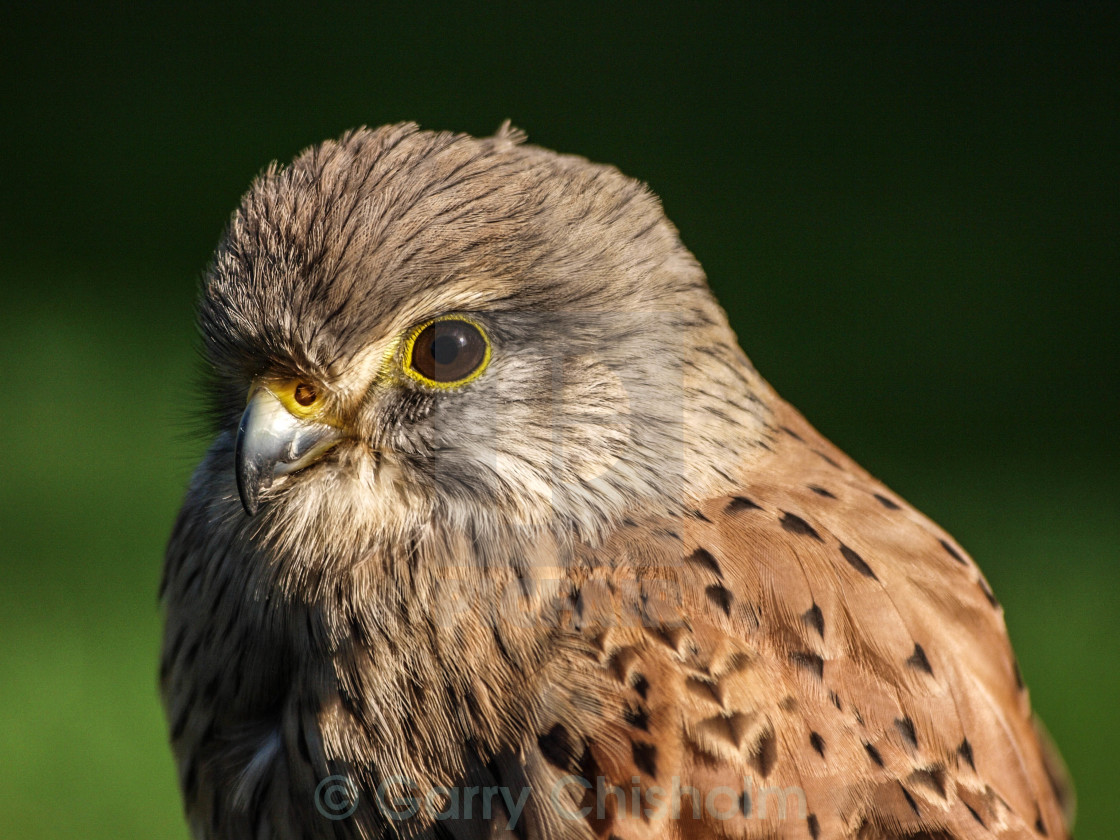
(613, 563)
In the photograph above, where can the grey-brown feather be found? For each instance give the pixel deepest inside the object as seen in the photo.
(608, 556)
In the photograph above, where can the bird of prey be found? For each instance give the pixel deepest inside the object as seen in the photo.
(501, 534)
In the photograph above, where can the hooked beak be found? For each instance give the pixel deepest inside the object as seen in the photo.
(272, 442)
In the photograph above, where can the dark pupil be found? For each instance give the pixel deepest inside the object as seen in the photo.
(448, 351)
(446, 347)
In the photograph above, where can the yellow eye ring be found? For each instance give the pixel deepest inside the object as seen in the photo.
(446, 352)
(301, 397)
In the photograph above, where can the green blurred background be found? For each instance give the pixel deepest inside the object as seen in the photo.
(911, 213)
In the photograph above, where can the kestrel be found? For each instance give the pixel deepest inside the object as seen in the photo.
(500, 533)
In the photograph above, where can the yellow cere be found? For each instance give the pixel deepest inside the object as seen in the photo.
(410, 342)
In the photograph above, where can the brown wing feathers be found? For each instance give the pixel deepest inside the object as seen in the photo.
(838, 646)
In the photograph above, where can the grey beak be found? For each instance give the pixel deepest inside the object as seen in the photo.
(272, 442)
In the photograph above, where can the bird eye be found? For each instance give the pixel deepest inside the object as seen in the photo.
(447, 352)
(305, 394)
(302, 399)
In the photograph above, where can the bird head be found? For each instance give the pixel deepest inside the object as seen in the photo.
(405, 325)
